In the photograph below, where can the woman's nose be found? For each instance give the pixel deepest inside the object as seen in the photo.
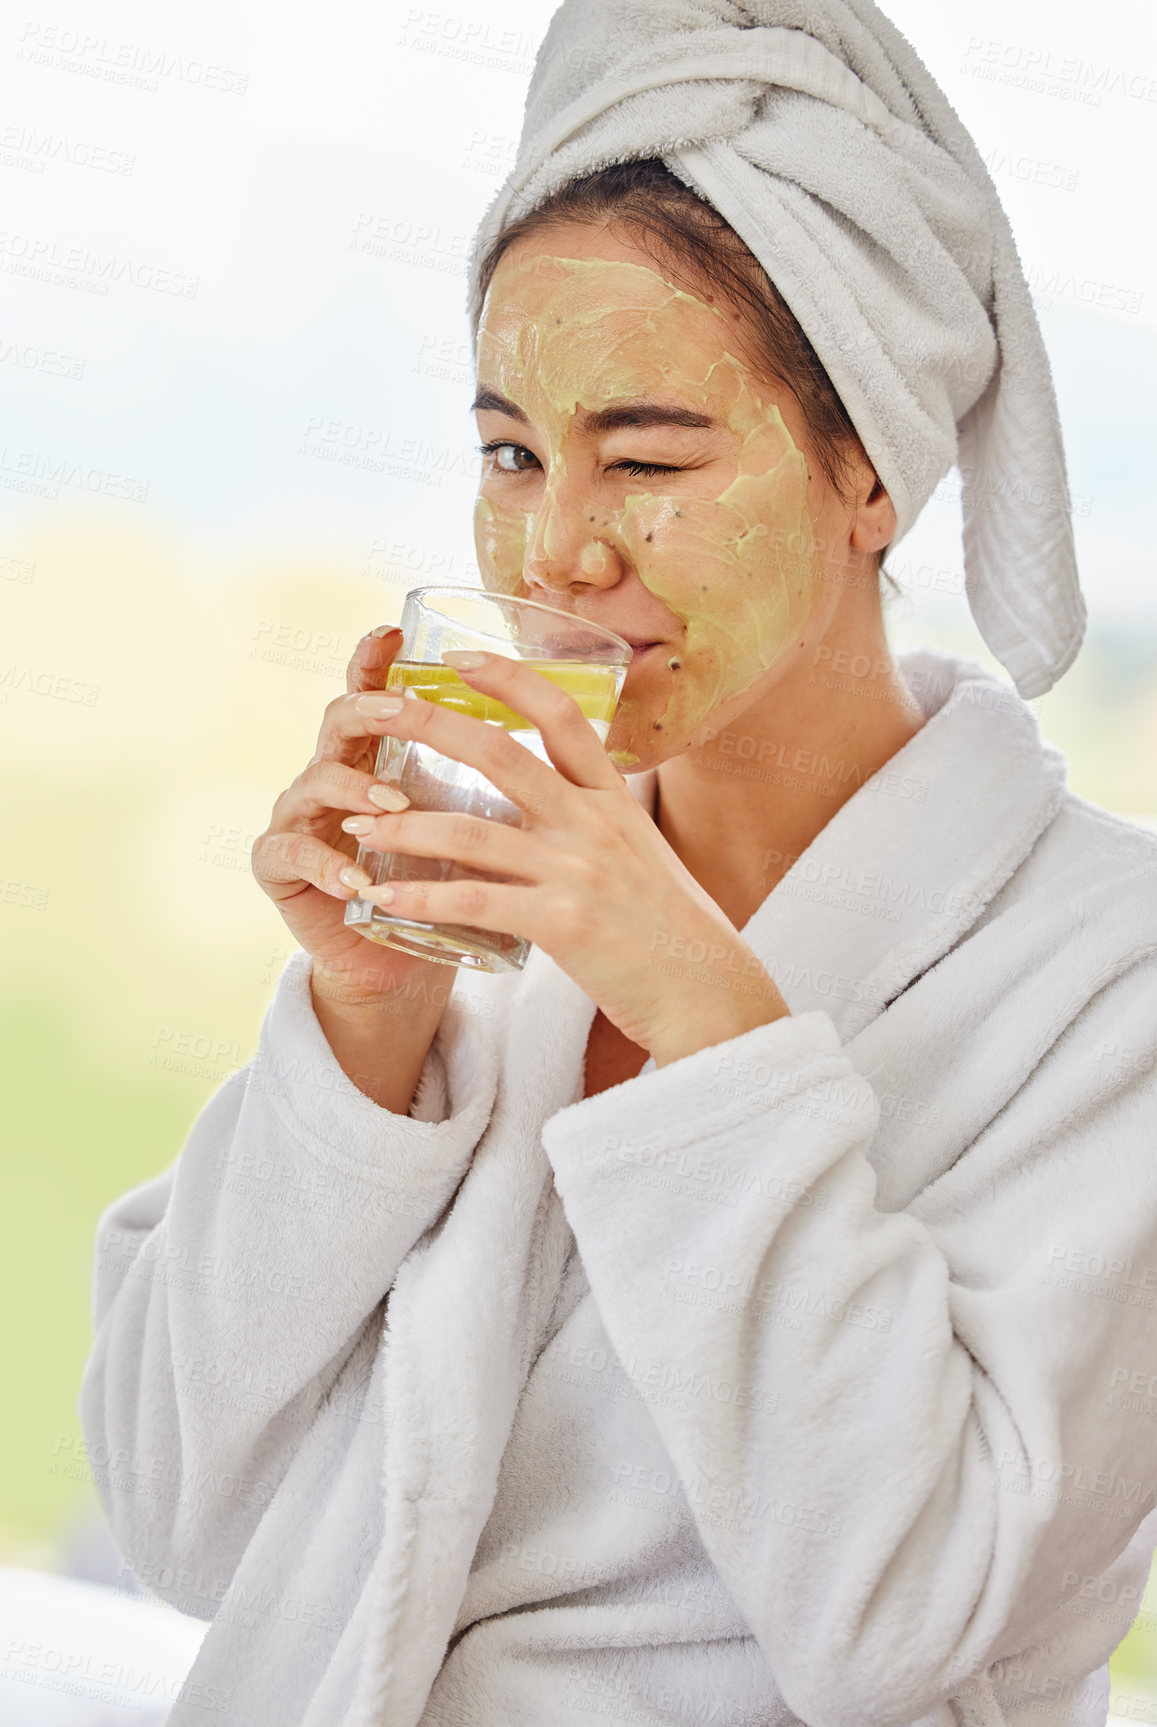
(571, 543)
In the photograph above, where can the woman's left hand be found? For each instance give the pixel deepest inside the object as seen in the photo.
(597, 886)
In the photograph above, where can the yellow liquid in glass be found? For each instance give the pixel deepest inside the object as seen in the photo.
(435, 782)
(594, 687)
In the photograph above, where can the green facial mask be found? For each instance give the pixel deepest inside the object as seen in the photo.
(738, 567)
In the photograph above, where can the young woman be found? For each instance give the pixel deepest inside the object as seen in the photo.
(744, 1313)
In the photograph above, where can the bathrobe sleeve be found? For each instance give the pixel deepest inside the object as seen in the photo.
(905, 1433)
(231, 1292)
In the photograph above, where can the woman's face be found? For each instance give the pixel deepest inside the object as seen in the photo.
(642, 475)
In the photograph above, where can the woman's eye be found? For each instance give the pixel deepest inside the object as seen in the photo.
(640, 470)
(516, 452)
(517, 459)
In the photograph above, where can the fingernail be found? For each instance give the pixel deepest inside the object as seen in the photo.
(353, 877)
(386, 630)
(358, 825)
(380, 707)
(463, 660)
(387, 797)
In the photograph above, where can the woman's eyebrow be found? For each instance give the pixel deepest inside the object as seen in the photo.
(489, 401)
(634, 413)
(642, 414)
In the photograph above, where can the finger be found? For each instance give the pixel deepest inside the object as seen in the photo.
(530, 784)
(476, 841)
(330, 786)
(286, 864)
(346, 734)
(372, 659)
(570, 740)
(507, 908)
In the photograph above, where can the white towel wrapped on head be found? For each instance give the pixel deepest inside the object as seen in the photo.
(817, 133)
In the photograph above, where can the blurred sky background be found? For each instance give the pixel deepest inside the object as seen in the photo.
(235, 379)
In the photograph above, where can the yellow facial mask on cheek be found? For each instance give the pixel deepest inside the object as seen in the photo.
(738, 568)
(500, 542)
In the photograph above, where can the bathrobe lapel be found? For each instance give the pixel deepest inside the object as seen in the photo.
(897, 876)
(462, 1319)
(909, 862)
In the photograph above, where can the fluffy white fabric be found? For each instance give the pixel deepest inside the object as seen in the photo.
(806, 1379)
(816, 131)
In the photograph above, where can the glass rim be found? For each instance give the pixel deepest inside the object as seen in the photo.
(516, 600)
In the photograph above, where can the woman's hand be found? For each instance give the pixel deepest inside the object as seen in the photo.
(597, 887)
(304, 861)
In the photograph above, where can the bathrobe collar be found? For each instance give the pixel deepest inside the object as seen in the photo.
(908, 863)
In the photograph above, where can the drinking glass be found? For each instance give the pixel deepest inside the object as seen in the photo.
(584, 659)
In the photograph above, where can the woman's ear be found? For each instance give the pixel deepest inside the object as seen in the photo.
(875, 521)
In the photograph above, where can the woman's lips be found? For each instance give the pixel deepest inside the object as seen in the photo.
(642, 648)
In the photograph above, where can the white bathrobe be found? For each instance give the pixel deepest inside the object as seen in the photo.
(812, 1378)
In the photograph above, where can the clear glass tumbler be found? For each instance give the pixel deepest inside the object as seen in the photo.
(588, 661)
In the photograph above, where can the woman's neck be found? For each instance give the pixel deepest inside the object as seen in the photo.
(738, 811)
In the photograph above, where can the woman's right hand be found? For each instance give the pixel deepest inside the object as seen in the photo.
(299, 859)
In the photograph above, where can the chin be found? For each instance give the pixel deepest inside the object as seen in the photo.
(634, 753)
